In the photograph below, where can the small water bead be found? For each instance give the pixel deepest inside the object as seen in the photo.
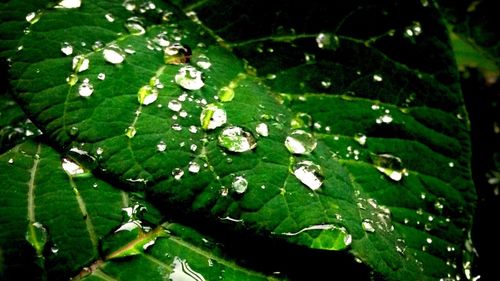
(33, 17)
(203, 62)
(109, 17)
(176, 54)
(375, 107)
(428, 240)
(451, 164)
(85, 89)
(66, 48)
(134, 25)
(176, 127)
(11, 161)
(99, 151)
(80, 63)
(389, 165)
(147, 95)
(129, 50)
(212, 116)
(300, 142)
(177, 173)
(97, 45)
(194, 167)
(368, 225)
(189, 78)
(301, 120)
(309, 173)
(193, 147)
(327, 41)
(235, 139)
(360, 138)
(377, 78)
(192, 129)
(239, 184)
(225, 94)
(386, 118)
(174, 105)
(161, 146)
(71, 167)
(414, 30)
(183, 114)
(130, 132)
(113, 54)
(69, 4)
(101, 76)
(72, 79)
(262, 129)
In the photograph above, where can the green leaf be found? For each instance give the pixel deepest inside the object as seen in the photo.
(398, 201)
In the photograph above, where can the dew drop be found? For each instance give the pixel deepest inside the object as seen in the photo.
(300, 142)
(54, 249)
(176, 127)
(130, 132)
(193, 167)
(309, 173)
(147, 95)
(134, 25)
(226, 94)
(239, 184)
(389, 165)
(176, 54)
(99, 151)
(301, 120)
(72, 79)
(368, 225)
(97, 45)
(85, 89)
(377, 78)
(386, 118)
(71, 167)
(327, 41)
(177, 173)
(192, 129)
(101, 76)
(161, 146)
(262, 129)
(66, 48)
(109, 17)
(235, 139)
(175, 105)
(11, 161)
(203, 62)
(80, 63)
(360, 138)
(69, 4)
(113, 54)
(33, 17)
(212, 116)
(189, 78)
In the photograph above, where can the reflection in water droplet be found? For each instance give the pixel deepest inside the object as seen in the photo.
(226, 94)
(176, 54)
(161, 146)
(189, 78)
(212, 116)
(130, 132)
(177, 173)
(134, 25)
(300, 142)
(390, 165)
(66, 48)
(147, 95)
(368, 225)
(239, 184)
(80, 63)
(71, 167)
(69, 4)
(175, 105)
(85, 89)
(262, 129)
(183, 272)
(113, 54)
(193, 167)
(235, 139)
(309, 173)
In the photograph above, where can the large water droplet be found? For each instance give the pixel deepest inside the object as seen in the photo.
(71, 167)
(194, 167)
(309, 173)
(189, 78)
(212, 116)
(235, 139)
(239, 184)
(85, 89)
(390, 165)
(226, 94)
(262, 129)
(300, 142)
(183, 272)
(69, 4)
(134, 25)
(113, 54)
(147, 95)
(175, 105)
(80, 63)
(176, 54)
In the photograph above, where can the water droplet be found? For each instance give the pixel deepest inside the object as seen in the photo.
(11, 161)
(99, 151)
(175, 105)
(239, 184)
(309, 173)
(339, 238)
(203, 62)
(109, 17)
(327, 41)
(147, 95)
(176, 54)
(451, 164)
(183, 272)
(36, 235)
(189, 78)
(390, 165)
(212, 116)
(72, 79)
(66, 48)
(80, 63)
(377, 78)
(235, 139)
(134, 25)
(375, 107)
(69, 4)
(101, 76)
(176, 127)
(262, 129)
(54, 249)
(301, 120)
(71, 167)
(33, 17)
(161, 146)
(386, 118)
(193, 167)
(300, 142)
(192, 129)
(368, 225)
(97, 45)
(177, 173)
(85, 89)
(113, 54)
(226, 94)
(360, 138)
(130, 132)
(271, 76)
